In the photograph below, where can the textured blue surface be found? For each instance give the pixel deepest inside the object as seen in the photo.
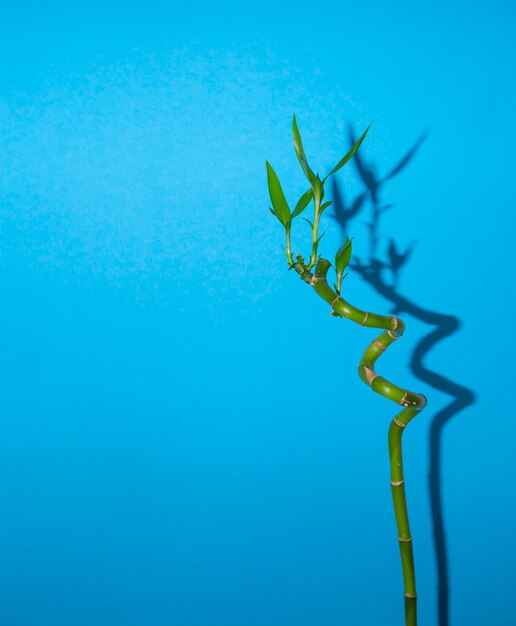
(183, 432)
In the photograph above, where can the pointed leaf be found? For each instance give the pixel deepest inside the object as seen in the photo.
(278, 199)
(342, 259)
(349, 154)
(326, 205)
(337, 287)
(318, 189)
(307, 220)
(343, 256)
(319, 239)
(303, 202)
(300, 152)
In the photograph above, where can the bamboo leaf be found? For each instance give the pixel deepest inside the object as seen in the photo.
(302, 203)
(326, 205)
(279, 202)
(300, 152)
(349, 154)
(307, 220)
(318, 189)
(343, 256)
(337, 287)
(342, 259)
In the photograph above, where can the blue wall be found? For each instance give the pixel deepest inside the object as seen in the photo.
(184, 439)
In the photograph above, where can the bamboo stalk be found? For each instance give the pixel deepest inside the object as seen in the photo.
(393, 329)
(412, 402)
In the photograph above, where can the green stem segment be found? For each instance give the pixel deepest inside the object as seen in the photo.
(315, 231)
(288, 251)
(413, 403)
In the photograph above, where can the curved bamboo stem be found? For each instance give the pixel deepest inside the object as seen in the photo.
(412, 402)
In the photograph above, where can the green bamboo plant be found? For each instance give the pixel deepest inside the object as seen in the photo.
(314, 272)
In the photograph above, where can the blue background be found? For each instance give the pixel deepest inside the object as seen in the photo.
(184, 439)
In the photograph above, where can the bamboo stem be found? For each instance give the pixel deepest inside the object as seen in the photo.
(412, 402)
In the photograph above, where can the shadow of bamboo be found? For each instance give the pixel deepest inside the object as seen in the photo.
(383, 275)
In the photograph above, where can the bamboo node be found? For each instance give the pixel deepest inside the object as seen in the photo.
(365, 319)
(397, 483)
(315, 279)
(411, 595)
(379, 344)
(335, 300)
(370, 375)
(404, 538)
(393, 334)
(403, 401)
(423, 402)
(398, 423)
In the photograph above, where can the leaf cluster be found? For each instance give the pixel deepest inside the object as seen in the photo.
(281, 210)
(280, 207)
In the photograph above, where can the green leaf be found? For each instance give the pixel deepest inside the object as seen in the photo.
(279, 202)
(307, 220)
(318, 189)
(303, 202)
(343, 256)
(349, 154)
(342, 259)
(326, 205)
(300, 152)
(337, 287)
(319, 239)
(285, 252)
